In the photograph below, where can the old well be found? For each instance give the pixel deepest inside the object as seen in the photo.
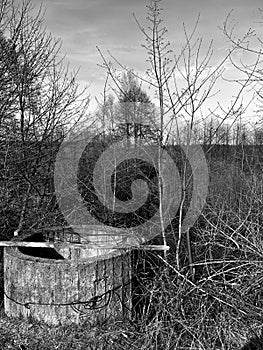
(74, 285)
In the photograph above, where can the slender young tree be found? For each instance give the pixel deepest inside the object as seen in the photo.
(183, 83)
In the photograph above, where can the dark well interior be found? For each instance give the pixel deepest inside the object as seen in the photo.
(47, 253)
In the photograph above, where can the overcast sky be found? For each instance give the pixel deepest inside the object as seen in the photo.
(84, 24)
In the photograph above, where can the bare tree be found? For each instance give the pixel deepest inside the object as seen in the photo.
(41, 103)
(184, 82)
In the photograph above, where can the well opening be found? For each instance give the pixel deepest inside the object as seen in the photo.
(45, 253)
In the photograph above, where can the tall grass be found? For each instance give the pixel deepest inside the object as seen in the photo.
(220, 305)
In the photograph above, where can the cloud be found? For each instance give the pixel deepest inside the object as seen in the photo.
(83, 24)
